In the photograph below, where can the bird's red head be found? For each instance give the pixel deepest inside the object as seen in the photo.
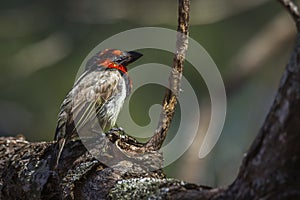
(113, 58)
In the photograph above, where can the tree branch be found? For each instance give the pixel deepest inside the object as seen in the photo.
(171, 94)
(291, 8)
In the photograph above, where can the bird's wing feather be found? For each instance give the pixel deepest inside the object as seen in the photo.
(87, 104)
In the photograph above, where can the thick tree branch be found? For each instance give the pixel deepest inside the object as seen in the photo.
(171, 94)
(270, 169)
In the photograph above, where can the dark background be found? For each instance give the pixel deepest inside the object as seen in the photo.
(43, 43)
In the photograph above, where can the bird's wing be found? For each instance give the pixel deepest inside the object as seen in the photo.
(91, 96)
(65, 111)
(63, 117)
(83, 103)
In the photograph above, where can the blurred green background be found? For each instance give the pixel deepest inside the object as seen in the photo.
(43, 43)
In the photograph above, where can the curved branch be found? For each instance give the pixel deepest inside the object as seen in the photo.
(170, 99)
(292, 8)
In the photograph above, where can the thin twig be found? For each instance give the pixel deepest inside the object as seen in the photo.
(170, 99)
(292, 8)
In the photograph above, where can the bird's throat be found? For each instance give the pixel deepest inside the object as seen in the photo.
(118, 67)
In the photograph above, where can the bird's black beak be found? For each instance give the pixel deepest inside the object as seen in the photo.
(132, 56)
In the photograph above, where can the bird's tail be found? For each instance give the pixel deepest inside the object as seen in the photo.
(58, 150)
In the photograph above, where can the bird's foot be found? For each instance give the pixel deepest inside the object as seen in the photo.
(115, 133)
(117, 130)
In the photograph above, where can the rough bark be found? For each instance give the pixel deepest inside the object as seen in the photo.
(270, 169)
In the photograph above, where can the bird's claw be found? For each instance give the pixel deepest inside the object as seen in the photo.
(119, 130)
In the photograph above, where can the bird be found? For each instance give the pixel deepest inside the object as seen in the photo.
(96, 97)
